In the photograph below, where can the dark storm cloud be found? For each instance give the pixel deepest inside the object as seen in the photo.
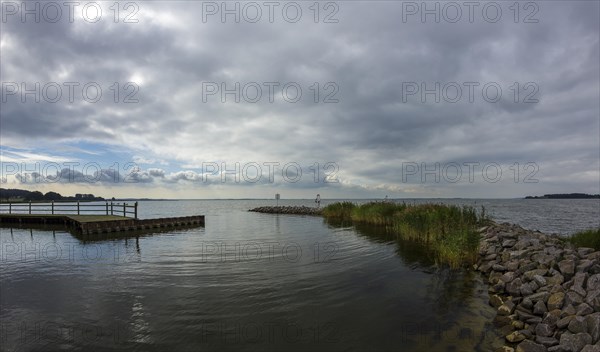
(369, 56)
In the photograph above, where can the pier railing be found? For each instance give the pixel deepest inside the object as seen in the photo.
(71, 208)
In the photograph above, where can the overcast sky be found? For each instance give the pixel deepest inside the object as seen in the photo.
(349, 99)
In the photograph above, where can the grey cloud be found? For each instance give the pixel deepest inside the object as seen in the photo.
(368, 54)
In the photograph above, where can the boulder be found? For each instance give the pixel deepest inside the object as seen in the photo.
(567, 267)
(540, 308)
(556, 300)
(591, 348)
(515, 336)
(544, 330)
(577, 325)
(593, 326)
(574, 342)
(530, 346)
(593, 282)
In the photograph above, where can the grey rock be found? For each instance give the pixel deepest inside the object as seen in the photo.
(506, 308)
(552, 317)
(527, 289)
(564, 322)
(527, 332)
(569, 310)
(490, 257)
(534, 320)
(515, 336)
(573, 298)
(574, 342)
(593, 326)
(498, 267)
(519, 254)
(508, 243)
(527, 265)
(577, 325)
(544, 330)
(591, 348)
(527, 303)
(593, 282)
(502, 320)
(496, 301)
(513, 265)
(514, 287)
(556, 300)
(529, 275)
(539, 280)
(540, 296)
(540, 308)
(556, 279)
(530, 346)
(591, 294)
(584, 309)
(593, 256)
(567, 267)
(508, 276)
(584, 265)
(546, 341)
(494, 277)
(584, 251)
(522, 244)
(578, 282)
(595, 303)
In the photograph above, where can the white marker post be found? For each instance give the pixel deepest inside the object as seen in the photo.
(277, 197)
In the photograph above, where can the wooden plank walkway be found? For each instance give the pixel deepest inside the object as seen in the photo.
(96, 224)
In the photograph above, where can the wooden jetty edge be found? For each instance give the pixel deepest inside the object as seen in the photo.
(95, 223)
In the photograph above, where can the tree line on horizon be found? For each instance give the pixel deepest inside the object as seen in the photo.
(22, 195)
(565, 196)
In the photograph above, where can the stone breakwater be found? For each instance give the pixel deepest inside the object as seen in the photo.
(298, 210)
(546, 292)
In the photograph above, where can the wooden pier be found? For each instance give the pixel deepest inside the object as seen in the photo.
(91, 224)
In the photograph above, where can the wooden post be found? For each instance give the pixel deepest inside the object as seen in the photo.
(135, 210)
(29, 207)
(111, 208)
(77, 207)
(52, 207)
(106, 208)
(124, 209)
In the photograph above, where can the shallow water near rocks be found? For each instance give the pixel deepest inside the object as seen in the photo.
(246, 281)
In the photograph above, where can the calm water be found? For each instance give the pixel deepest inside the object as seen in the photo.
(251, 281)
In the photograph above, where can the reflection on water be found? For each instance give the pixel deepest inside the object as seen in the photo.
(458, 298)
(246, 281)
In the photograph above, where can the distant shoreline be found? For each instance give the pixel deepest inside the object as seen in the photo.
(566, 196)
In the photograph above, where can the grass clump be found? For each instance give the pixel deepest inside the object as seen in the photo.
(339, 210)
(587, 238)
(450, 230)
